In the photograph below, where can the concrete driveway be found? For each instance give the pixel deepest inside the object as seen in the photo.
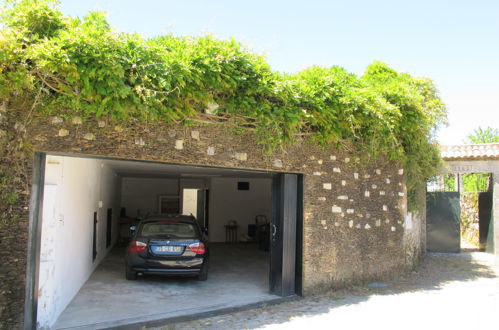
(448, 291)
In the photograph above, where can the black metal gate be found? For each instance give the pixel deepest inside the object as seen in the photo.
(443, 217)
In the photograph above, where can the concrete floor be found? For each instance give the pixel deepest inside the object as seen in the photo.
(238, 276)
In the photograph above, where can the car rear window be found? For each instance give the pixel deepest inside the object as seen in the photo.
(168, 229)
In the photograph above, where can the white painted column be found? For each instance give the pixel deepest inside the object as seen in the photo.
(495, 211)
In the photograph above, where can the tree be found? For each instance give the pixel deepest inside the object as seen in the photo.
(480, 181)
(480, 135)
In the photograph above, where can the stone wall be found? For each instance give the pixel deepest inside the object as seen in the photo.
(354, 209)
(469, 218)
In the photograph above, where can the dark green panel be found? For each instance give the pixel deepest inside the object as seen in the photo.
(485, 221)
(443, 216)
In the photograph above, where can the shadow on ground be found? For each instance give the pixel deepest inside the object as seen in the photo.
(436, 271)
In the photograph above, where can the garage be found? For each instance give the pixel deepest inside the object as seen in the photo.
(87, 205)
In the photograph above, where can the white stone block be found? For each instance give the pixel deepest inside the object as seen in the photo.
(319, 161)
(336, 224)
(378, 223)
(56, 120)
(210, 151)
(366, 176)
(277, 163)
(332, 157)
(322, 199)
(385, 208)
(327, 186)
(350, 223)
(63, 132)
(323, 222)
(140, 141)
(317, 173)
(356, 176)
(343, 183)
(195, 135)
(401, 194)
(378, 171)
(336, 209)
(367, 193)
(393, 228)
(367, 226)
(179, 144)
(347, 160)
(350, 211)
(89, 136)
(401, 171)
(381, 193)
(336, 169)
(388, 181)
(241, 156)
(343, 197)
(374, 186)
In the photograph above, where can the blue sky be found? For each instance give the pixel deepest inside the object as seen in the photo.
(453, 42)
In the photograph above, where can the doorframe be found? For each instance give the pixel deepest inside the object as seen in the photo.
(34, 240)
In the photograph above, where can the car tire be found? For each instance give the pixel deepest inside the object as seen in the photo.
(203, 275)
(131, 276)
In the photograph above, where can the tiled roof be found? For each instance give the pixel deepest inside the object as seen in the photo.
(466, 151)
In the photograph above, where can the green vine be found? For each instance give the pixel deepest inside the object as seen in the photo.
(68, 66)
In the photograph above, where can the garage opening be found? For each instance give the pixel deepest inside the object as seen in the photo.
(85, 210)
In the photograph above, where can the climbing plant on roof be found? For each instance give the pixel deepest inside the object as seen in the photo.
(69, 66)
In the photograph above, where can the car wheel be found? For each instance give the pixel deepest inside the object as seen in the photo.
(131, 276)
(203, 275)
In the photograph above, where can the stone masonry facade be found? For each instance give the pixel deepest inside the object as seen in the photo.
(356, 226)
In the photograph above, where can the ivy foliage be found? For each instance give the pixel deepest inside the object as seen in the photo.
(82, 66)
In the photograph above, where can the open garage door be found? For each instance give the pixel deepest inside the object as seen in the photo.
(252, 222)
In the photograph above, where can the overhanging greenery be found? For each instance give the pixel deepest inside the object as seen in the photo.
(70, 66)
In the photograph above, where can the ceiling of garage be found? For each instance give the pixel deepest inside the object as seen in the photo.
(132, 168)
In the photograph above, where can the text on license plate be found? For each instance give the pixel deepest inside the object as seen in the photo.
(167, 248)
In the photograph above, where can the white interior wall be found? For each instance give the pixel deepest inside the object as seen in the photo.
(75, 188)
(140, 195)
(227, 203)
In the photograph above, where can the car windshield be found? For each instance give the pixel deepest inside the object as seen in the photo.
(168, 229)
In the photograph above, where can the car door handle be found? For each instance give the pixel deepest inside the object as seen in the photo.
(274, 230)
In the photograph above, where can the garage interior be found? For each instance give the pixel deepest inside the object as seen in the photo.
(88, 207)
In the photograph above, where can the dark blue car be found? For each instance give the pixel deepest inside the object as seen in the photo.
(168, 245)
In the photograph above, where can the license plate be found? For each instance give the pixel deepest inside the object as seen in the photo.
(167, 248)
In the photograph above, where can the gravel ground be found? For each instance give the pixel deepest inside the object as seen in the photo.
(454, 291)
